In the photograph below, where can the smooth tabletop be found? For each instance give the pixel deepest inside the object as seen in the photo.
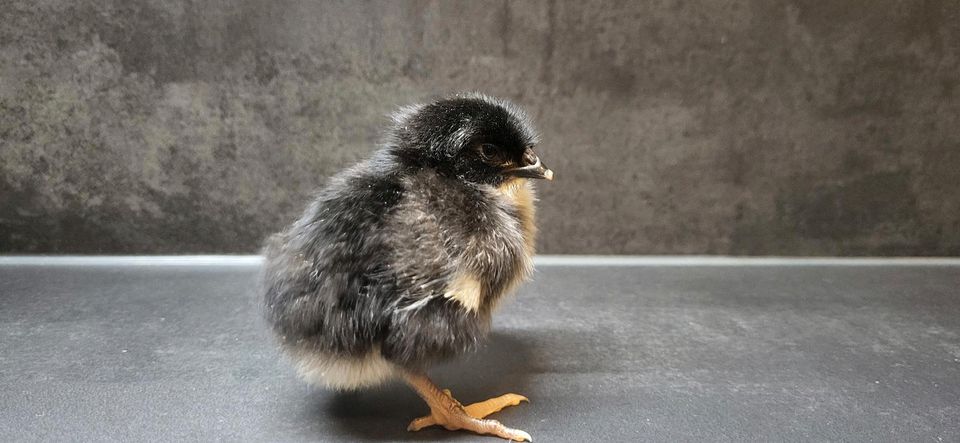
(605, 352)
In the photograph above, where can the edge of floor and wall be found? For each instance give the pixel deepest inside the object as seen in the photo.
(540, 260)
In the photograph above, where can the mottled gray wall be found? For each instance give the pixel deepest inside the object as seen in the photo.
(721, 127)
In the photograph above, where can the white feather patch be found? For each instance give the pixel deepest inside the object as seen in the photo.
(337, 372)
(465, 289)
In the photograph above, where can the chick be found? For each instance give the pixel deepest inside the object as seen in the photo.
(400, 260)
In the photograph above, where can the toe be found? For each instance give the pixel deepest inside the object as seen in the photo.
(485, 408)
(521, 436)
(510, 433)
(420, 423)
(515, 399)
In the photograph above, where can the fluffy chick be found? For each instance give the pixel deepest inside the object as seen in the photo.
(399, 261)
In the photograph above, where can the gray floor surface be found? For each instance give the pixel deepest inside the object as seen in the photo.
(605, 353)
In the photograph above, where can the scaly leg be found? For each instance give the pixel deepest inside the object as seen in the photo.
(446, 411)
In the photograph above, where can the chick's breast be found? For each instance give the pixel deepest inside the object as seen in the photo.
(455, 250)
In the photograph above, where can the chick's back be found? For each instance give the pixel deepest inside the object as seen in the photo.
(326, 278)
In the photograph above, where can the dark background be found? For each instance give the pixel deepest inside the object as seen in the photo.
(791, 127)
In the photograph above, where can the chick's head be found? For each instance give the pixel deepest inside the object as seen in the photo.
(475, 138)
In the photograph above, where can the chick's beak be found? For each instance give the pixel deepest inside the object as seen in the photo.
(530, 167)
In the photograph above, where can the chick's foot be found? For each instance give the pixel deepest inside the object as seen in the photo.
(447, 412)
(475, 410)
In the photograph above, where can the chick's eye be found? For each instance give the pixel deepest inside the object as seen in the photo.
(489, 152)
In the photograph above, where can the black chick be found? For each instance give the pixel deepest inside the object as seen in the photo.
(400, 260)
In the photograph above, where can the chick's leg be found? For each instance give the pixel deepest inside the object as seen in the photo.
(446, 411)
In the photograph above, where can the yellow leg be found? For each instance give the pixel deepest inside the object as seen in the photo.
(446, 411)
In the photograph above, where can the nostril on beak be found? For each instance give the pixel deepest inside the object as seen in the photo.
(529, 158)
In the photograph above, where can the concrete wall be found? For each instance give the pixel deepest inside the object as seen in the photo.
(719, 127)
